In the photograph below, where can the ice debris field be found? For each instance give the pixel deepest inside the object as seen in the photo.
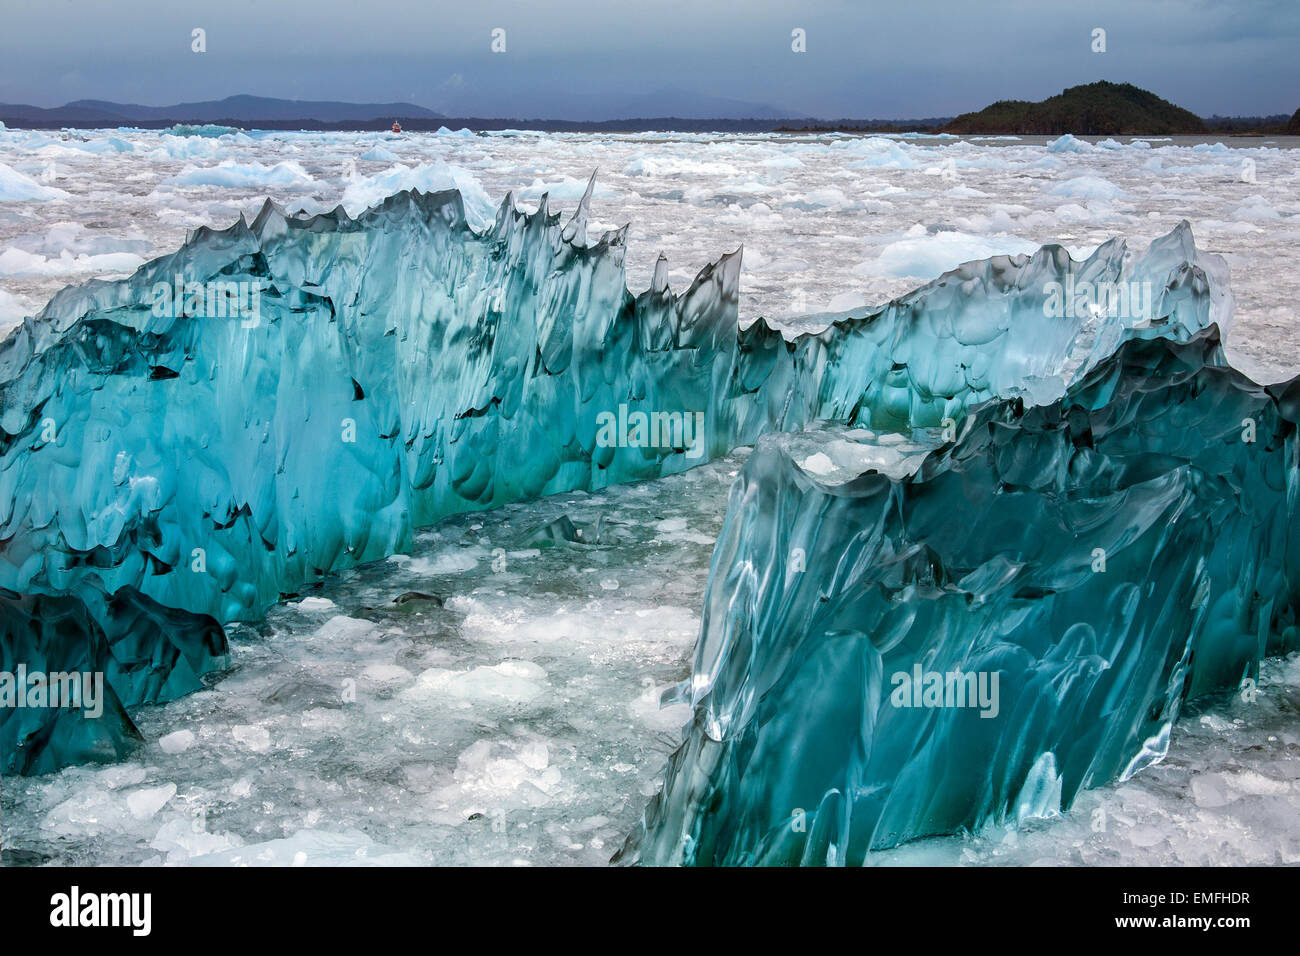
(486, 687)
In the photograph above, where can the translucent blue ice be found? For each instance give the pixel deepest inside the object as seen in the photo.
(974, 644)
(297, 394)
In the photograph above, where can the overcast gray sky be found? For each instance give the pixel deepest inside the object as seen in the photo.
(582, 60)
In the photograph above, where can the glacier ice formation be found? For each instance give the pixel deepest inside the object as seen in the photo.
(403, 367)
(1097, 560)
(370, 376)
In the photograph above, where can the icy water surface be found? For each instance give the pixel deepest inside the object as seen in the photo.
(514, 719)
(828, 222)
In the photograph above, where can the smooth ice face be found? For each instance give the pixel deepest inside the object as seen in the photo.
(296, 395)
(1020, 619)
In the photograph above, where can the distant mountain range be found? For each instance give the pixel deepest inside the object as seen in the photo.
(1100, 109)
(233, 110)
(649, 111)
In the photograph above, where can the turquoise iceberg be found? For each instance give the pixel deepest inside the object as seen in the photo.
(1020, 619)
(297, 394)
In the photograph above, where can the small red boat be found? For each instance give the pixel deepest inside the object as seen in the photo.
(397, 127)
